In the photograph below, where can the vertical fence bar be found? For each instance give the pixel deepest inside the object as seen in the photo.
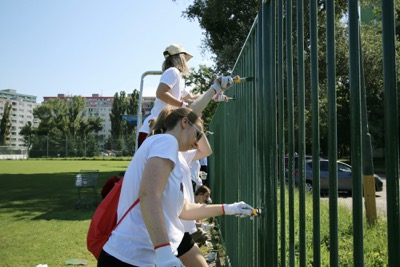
(273, 128)
(270, 233)
(391, 132)
(260, 141)
(315, 130)
(290, 99)
(281, 137)
(332, 138)
(356, 136)
(301, 125)
(368, 165)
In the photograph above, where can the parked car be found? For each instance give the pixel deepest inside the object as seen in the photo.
(296, 164)
(345, 181)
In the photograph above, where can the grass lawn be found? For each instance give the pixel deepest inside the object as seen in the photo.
(39, 222)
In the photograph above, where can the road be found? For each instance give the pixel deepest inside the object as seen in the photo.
(381, 207)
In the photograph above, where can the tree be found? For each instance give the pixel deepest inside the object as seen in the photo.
(119, 108)
(226, 24)
(118, 125)
(28, 132)
(75, 114)
(130, 131)
(67, 130)
(5, 124)
(132, 109)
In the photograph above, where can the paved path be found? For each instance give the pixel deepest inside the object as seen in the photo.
(381, 207)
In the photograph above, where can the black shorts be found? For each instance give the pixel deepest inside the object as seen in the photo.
(186, 244)
(106, 260)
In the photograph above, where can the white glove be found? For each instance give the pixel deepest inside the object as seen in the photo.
(220, 97)
(226, 82)
(207, 227)
(203, 175)
(239, 209)
(222, 83)
(165, 258)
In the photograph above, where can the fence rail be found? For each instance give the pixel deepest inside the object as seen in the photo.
(254, 133)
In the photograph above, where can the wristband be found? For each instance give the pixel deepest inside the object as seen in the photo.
(184, 104)
(160, 246)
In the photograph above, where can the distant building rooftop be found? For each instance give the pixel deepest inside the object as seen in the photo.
(13, 95)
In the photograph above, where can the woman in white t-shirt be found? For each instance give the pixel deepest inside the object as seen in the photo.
(152, 231)
(171, 86)
(188, 251)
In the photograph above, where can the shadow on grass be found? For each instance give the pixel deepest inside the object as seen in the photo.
(46, 196)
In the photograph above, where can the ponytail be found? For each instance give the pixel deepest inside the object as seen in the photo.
(169, 117)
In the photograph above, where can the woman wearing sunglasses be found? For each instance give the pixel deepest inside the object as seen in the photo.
(152, 232)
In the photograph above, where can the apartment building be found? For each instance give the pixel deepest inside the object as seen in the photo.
(23, 105)
(21, 113)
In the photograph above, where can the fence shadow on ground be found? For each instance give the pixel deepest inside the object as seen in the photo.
(46, 196)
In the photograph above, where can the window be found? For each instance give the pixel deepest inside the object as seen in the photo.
(324, 165)
(343, 168)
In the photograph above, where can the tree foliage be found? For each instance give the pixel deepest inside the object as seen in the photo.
(5, 124)
(119, 108)
(227, 24)
(28, 132)
(122, 139)
(63, 127)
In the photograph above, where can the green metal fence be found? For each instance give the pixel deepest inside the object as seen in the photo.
(255, 132)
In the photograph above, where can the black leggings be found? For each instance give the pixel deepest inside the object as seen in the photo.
(106, 260)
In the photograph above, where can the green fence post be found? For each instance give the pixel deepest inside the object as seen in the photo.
(290, 99)
(301, 136)
(391, 132)
(356, 136)
(281, 137)
(332, 143)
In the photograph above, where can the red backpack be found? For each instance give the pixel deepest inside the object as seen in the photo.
(104, 220)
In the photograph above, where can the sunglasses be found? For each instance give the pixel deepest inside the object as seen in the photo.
(199, 132)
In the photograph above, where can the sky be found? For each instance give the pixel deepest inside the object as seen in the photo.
(85, 47)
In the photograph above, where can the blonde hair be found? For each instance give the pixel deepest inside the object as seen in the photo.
(169, 117)
(178, 61)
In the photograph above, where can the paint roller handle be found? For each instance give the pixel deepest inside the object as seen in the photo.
(236, 79)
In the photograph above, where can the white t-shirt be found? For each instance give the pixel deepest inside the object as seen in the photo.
(203, 161)
(130, 241)
(185, 159)
(195, 172)
(172, 77)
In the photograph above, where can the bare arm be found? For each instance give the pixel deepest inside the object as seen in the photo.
(154, 180)
(190, 97)
(202, 101)
(194, 211)
(203, 149)
(164, 93)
